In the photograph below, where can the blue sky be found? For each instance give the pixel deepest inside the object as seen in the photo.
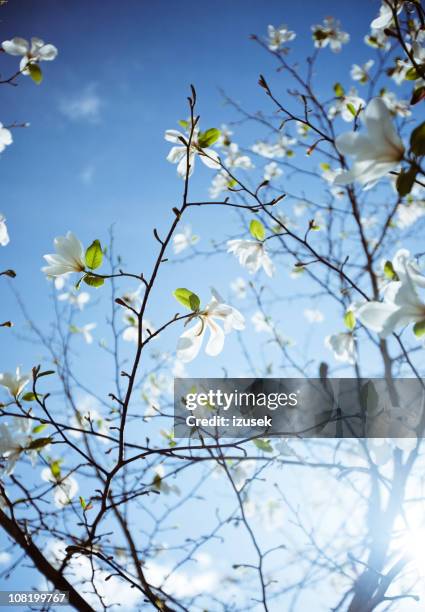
(94, 154)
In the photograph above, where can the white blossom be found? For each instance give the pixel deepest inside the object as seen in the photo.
(361, 73)
(236, 159)
(377, 152)
(65, 488)
(85, 331)
(69, 257)
(38, 51)
(347, 106)
(282, 148)
(5, 137)
(215, 312)
(329, 33)
(225, 136)
(222, 181)
(385, 17)
(89, 419)
(279, 36)
(397, 107)
(178, 153)
(239, 287)
(378, 40)
(14, 383)
(302, 129)
(418, 53)
(131, 332)
(133, 298)
(79, 299)
(401, 304)
(252, 255)
(4, 235)
(14, 440)
(184, 239)
(399, 71)
(261, 322)
(343, 346)
(272, 171)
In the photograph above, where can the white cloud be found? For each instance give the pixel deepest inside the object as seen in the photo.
(82, 107)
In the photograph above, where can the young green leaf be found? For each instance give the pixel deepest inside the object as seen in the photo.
(29, 397)
(55, 468)
(39, 428)
(263, 445)
(39, 443)
(417, 140)
(94, 255)
(93, 281)
(35, 73)
(257, 229)
(339, 90)
(389, 271)
(417, 95)
(411, 74)
(208, 138)
(350, 320)
(419, 329)
(352, 109)
(187, 298)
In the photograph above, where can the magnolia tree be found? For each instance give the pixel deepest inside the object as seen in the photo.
(98, 495)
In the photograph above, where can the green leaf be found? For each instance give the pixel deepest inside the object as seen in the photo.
(417, 140)
(352, 109)
(39, 428)
(39, 443)
(389, 271)
(417, 95)
(94, 255)
(339, 90)
(29, 397)
(208, 138)
(263, 445)
(83, 503)
(350, 320)
(55, 468)
(419, 329)
(405, 180)
(35, 73)
(411, 74)
(257, 229)
(183, 123)
(93, 281)
(157, 482)
(187, 298)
